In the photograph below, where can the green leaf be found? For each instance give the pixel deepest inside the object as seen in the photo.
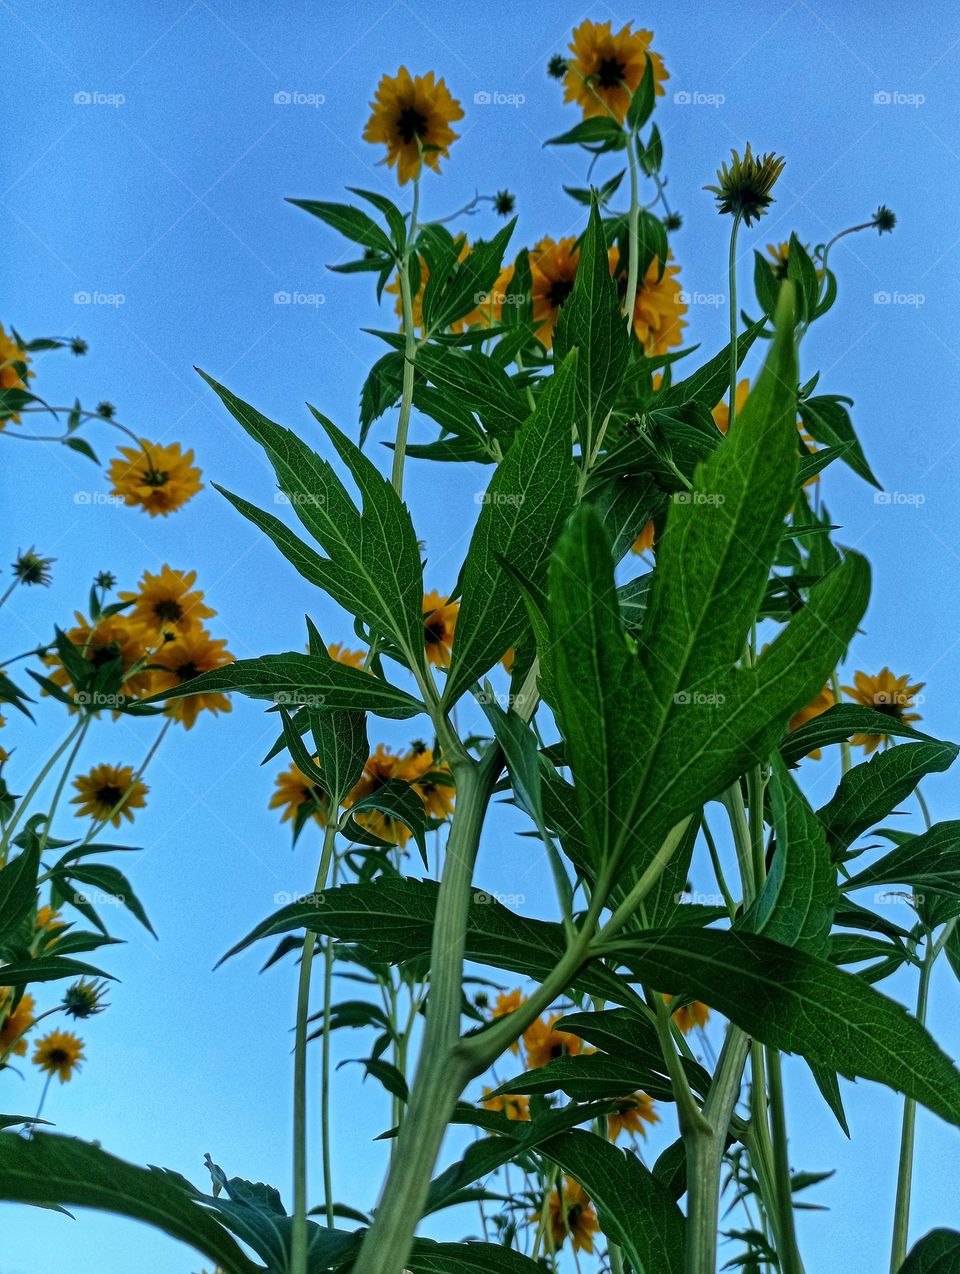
(643, 99)
(298, 680)
(708, 384)
(522, 511)
(428, 1257)
(18, 891)
(449, 298)
(397, 800)
(936, 1253)
(799, 1003)
(600, 131)
(350, 222)
(45, 968)
(596, 1076)
(479, 385)
(796, 904)
(591, 322)
(107, 880)
(394, 217)
(52, 1171)
(827, 420)
(839, 723)
(765, 284)
(635, 1209)
(381, 390)
(930, 860)
(870, 791)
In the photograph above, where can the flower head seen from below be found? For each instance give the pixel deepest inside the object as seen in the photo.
(411, 116)
(884, 220)
(659, 307)
(111, 638)
(84, 998)
(167, 602)
(543, 1044)
(58, 1053)
(553, 269)
(892, 696)
(340, 654)
(687, 1016)
(155, 478)
(109, 793)
(816, 707)
(439, 623)
(431, 781)
(632, 1116)
(382, 767)
(180, 662)
(572, 1216)
(14, 1023)
(300, 799)
(32, 569)
(484, 312)
(606, 68)
(721, 413)
(744, 185)
(513, 1105)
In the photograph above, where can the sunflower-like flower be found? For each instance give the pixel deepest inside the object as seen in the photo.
(341, 655)
(644, 541)
(167, 602)
(14, 1023)
(508, 1002)
(553, 269)
(484, 312)
(381, 767)
(513, 1105)
(439, 623)
(819, 704)
(109, 793)
(893, 696)
(300, 798)
(14, 371)
(743, 187)
(689, 1015)
(658, 308)
(412, 117)
(110, 637)
(543, 1044)
(179, 662)
(631, 1115)
(59, 1053)
(429, 779)
(721, 413)
(31, 569)
(571, 1216)
(606, 68)
(48, 920)
(84, 998)
(155, 478)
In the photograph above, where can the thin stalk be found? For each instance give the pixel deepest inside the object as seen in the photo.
(787, 1249)
(410, 345)
(845, 761)
(328, 962)
(34, 788)
(734, 320)
(298, 1245)
(901, 1214)
(13, 584)
(62, 782)
(633, 233)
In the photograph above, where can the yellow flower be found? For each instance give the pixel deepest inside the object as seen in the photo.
(382, 766)
(824, 700)
(887, 694)
(644, 541)
(417, 769)
(779, 254)
(159, 479)
(48, 919)
(721, 413)
(295, 790)
(485, 312)
(109, 793)
(606, 69)
(439, 622)
(15, 1023)
(180, 661)
(112, 636)
(168, 602)
(352, 658)
(412, 117)
(543, 1044)
(571, 1213)
(689, 1015)
(631, 1116)
(658, 309)
(59, 1053)
(509, 1002)
(513, 1106)
(13, 373)
(553, 269)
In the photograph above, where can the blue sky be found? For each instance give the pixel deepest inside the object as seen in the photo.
(162, 197)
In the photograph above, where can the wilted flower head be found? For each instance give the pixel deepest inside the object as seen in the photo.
(31, 568)
(557, 66)
(743, 188)
(672, 221)
(884, 219)
(504, 203)
(106, 410)
(78, 346)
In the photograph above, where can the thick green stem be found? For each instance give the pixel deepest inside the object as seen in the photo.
(633, 234)
(787, 1247)
(298, 1245)
(410, 346)
(901, 1214)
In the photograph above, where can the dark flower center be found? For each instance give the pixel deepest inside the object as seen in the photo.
(433, 633)
(58, 1056)
(100, 655)
(889, 707)
(411, 124)
(169, 610)
(610, 73)
(560, 289)
(187, 671)
(110, 795)
(155, 478)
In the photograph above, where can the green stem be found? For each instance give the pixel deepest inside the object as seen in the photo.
(34, 788)
(298, 1245)
(901, 1214)
(787, 1250)
(633, 234)
(62, 782)
(410, 345)
(734, 321)
(328, 962)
